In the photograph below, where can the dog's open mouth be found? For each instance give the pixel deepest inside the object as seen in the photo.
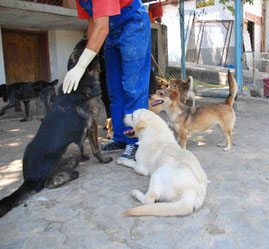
(157, 102)
(129, 133)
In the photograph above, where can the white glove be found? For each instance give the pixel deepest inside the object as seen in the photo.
(74, 75)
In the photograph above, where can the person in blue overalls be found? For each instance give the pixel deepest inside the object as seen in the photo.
(125, 27)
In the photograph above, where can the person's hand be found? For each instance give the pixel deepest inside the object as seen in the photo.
(72, 78)
(74, 75)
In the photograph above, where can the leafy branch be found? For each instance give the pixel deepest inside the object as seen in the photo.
(230, 7)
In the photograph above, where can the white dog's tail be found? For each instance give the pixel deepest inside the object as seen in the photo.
(180, 208)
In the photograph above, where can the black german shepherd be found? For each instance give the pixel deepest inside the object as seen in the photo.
(49, 160)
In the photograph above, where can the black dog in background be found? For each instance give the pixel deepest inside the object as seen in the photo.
(25, 91)
(50, 159)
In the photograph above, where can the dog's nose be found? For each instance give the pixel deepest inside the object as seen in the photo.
(150, 96)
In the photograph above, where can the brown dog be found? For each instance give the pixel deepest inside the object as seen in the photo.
(186, 119)
(109, 128)
(185, 90)
(162, 83)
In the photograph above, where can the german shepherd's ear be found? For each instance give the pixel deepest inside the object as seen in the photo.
(94, 67)
(173, 94)
(55, 82)
(76, 53)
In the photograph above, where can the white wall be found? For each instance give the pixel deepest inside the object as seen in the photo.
(255, 8)
(267, 26)
(2, 68)
(61, 44)
(214, 35)
(214, 12)
(2, 65)
(171, 20)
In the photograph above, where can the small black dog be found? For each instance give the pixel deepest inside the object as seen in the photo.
(49, 160)
(25, 91)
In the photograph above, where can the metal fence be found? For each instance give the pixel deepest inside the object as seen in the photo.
(210, 40)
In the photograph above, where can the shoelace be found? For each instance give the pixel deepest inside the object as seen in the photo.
(108, 145)
(110, 142)
(129, 149)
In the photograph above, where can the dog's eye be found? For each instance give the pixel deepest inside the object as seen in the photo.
(161, 93)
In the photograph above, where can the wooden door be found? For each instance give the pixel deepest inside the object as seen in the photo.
(25, 55)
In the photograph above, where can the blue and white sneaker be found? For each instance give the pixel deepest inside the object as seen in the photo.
(112, 146)
(128, 156)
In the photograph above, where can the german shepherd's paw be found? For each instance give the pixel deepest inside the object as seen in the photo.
(25, 119)
(107, 159)
(84, 157)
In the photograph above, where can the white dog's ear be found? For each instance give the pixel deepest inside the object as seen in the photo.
(140, 125)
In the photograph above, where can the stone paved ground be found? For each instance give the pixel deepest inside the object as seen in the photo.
(89, 212)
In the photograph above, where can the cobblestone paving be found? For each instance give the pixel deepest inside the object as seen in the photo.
(89, 212)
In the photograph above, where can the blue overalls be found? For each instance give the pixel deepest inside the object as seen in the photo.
(128, 59)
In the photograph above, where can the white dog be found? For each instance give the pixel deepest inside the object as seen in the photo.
(176, 177)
